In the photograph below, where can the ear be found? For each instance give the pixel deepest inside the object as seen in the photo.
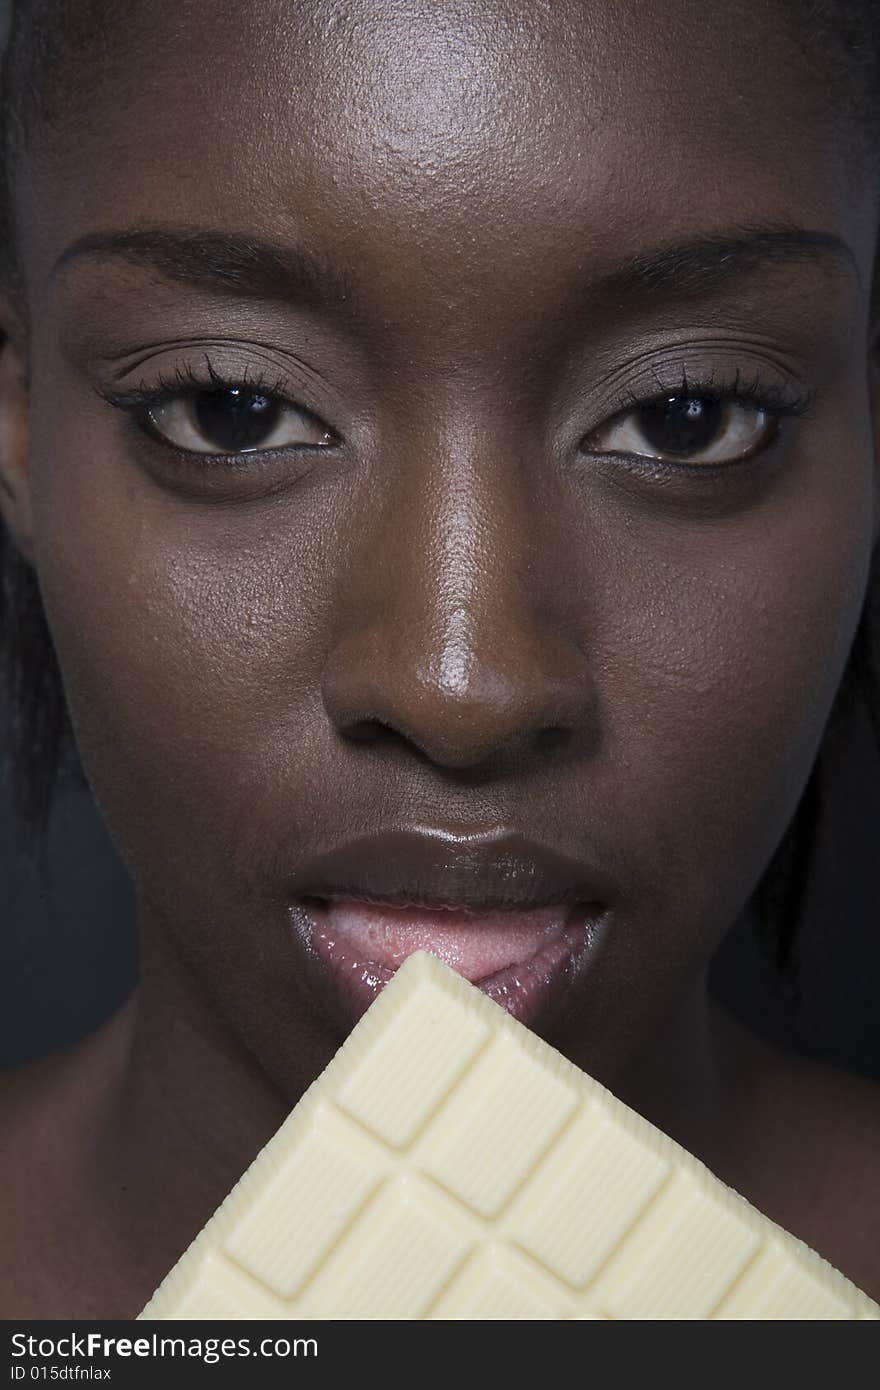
(15, 491)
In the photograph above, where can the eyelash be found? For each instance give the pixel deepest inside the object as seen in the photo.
(187, 380)
(767, 395)
(777, 401)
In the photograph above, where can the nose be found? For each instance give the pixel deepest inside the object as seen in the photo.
(449, 639)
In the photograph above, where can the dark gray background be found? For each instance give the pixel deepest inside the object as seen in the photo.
(68, 947)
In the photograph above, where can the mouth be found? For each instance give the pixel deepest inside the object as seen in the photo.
(524, 960)
(514, 918)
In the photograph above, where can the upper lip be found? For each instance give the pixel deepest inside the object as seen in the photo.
(431, 868)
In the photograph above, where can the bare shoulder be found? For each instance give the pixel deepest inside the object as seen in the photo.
(28, 1095)
(47, 1115)
(846, 1111)
(842, 1111)
(820, 1174)
(26, 1180)
(50, 1092)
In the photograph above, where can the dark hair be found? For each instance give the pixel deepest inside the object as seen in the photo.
(839, 39)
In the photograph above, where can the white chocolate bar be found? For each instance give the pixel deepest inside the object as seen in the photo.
(450, 1164)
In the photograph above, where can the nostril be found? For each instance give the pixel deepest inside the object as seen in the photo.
(551, 740)
(368, 731)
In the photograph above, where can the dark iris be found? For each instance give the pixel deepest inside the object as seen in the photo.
(234, 420)
(681, 424)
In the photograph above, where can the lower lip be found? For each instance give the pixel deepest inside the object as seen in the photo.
(533, 987)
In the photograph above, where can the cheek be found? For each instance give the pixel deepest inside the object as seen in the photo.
(738, 637)
(190, 656)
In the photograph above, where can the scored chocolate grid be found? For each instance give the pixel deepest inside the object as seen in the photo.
(488, 1251)
(558, 1300)
(482, 1238)
(516, 1061)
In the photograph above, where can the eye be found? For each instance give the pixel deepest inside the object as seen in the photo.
(690, 429)
(233, 420)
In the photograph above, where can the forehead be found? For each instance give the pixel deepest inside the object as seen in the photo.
(468, 133)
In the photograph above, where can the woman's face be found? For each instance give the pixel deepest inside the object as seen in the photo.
(468, 585)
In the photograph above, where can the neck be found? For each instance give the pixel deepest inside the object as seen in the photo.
(186, 1109)
(694, 1082)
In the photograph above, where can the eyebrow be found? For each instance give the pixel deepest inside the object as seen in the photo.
(246, 265)
(264, 269)
(709, 262)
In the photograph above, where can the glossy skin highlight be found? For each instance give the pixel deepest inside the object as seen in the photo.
(456, 615)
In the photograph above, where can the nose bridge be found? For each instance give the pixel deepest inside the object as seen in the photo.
(473, 536)
(444, 641)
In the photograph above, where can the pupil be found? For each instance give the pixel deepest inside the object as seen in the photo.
(235, 420)
(681, 424)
